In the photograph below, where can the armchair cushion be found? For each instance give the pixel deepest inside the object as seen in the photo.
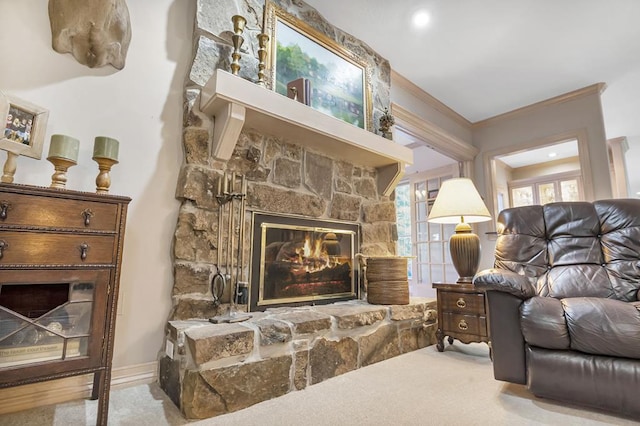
(603, 326)
(587, 324)
(543, 323)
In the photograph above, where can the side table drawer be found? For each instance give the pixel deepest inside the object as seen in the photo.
(469, 303)
(468, 324)
(22, 248)
(50, 212)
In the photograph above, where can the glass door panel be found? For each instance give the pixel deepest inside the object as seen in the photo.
(547, 193)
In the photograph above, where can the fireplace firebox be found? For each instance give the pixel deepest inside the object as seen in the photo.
(302, 261)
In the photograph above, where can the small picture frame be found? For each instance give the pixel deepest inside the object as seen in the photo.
(23, 126)
(432, 194)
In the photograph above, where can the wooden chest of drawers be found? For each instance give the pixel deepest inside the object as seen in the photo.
(60, 257)
(462, 314)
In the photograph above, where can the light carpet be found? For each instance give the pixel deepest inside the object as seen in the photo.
(424, 387)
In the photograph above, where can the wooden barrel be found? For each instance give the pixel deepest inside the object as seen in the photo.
(387, 281)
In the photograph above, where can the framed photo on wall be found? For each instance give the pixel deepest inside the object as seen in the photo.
(340, 83)
(23, 126)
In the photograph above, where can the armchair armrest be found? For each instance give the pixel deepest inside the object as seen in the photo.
(504, 281)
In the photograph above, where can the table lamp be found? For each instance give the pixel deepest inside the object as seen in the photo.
(458, 202)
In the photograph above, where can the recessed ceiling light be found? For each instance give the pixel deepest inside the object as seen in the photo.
(420, 19)
(552, 154)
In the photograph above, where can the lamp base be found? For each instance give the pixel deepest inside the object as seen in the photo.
(464, 246)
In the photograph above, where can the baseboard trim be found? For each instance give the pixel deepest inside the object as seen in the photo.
(63, 390)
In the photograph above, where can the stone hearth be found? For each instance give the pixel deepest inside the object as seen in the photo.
(215, 369)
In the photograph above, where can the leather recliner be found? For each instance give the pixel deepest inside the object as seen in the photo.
(563, 301)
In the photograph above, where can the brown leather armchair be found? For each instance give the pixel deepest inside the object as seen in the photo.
(563, 299)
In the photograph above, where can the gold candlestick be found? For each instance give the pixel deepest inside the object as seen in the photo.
(238, 27)
(263, 39)
(103, 180)
(9, 167)
(59, 177)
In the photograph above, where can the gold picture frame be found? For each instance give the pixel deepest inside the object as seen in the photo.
(24, 126)
(340, 81)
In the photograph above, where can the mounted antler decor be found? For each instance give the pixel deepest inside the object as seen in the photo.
(95, 32)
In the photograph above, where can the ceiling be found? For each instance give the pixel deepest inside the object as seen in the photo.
(484, 58)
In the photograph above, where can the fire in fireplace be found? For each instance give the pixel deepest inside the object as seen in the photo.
(301, 261)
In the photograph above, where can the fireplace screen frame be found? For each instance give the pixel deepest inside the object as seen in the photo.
(261, 222)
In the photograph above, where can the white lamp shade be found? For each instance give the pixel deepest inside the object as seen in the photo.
(458, 201)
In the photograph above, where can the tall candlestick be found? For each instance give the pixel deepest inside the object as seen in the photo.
(263, 39)
(238, 27)
(63, 153)
(105, 153)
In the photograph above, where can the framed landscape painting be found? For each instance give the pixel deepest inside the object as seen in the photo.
(339, 80)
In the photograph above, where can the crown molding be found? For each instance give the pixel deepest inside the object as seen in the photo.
(409, 86)
(597, 88)
(431, 135)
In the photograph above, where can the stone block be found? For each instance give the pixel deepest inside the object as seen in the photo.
(306, 321)
(228, 389)
(192, 117)
(169, 378)
(345, 207)
(379, 212)
(211, 55)
(343, 185)
(287, 173)
(219, 341)
(186, 308)
(350, 316)
(407, 312)
(272, 150)
(198, 401)
(301, 369)
(273, 331)
(344, 170)
(417, 337)
(328, 358)
(267, 198)
(174, 328)
(367, 188)
(378, 249)
(294, 152)
(382, 344)
(191, 278)
(376, 232)
(196, 146)
(195, 238)
(319, 174)
(198, 184)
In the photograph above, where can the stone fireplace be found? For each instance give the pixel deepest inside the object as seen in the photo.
(318, 193)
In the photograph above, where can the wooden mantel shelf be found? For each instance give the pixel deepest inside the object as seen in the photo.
(236, 103)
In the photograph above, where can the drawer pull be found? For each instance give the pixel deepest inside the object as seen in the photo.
(3, 246)
(84, 248)
(462, 325)
(461, 303)
(87, 214)
(4, 208)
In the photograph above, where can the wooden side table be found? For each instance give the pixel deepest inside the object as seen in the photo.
(462, 314)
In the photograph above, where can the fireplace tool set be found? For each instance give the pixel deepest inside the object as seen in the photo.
(227, 198)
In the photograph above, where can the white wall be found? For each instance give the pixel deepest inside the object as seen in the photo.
(141, 106)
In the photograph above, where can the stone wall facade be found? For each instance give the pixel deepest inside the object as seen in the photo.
(213, 369)
(283, 176)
